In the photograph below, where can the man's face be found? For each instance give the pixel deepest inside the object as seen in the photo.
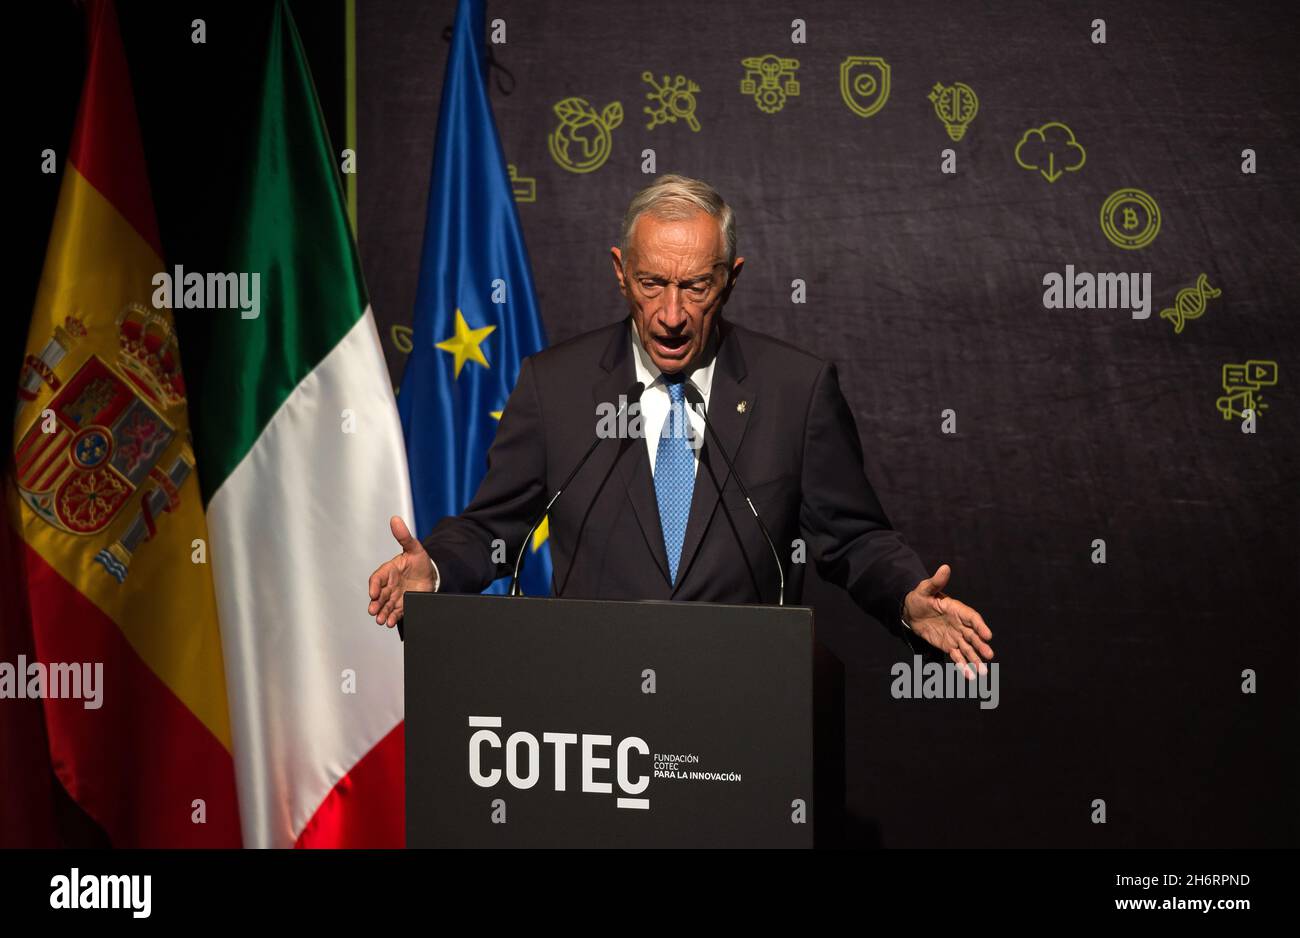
(675, 279)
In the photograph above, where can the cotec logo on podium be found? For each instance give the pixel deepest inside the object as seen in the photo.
(522, 745)
(529, 724)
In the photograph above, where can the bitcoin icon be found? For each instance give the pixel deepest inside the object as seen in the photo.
(1140, 219)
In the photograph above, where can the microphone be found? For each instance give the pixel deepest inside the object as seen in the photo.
(696, 399)
(632, 396)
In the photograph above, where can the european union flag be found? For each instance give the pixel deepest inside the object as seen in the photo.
(476, 314)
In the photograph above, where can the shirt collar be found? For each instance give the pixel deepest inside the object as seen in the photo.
(648, 374)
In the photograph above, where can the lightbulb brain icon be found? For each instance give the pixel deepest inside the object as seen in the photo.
(956, 105)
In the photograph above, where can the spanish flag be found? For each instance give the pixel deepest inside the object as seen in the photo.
(124, 623)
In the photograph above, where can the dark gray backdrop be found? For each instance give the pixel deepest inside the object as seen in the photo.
(1120, 682)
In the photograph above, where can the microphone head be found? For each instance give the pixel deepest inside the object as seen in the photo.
(634, 392)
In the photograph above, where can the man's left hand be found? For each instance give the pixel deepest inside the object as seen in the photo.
(948, 624)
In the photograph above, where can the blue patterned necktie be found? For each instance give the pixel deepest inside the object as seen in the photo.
(674, 474)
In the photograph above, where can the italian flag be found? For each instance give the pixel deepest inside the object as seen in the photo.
(297, 434)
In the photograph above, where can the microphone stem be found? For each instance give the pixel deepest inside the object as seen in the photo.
(704, 413)
(633, 396)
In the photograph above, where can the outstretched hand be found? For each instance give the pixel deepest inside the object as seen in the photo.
(948, 624)
(410, 570)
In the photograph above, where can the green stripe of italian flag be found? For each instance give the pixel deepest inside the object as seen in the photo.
(301, 451)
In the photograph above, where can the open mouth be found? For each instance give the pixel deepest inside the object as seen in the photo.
(671, 346)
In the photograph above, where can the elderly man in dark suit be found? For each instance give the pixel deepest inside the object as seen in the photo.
(654, 514)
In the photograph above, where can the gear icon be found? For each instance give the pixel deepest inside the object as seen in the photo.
(770, 100)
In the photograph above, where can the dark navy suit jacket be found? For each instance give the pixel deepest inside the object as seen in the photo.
(792, 439)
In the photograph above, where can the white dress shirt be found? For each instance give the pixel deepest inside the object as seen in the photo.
(655, 402)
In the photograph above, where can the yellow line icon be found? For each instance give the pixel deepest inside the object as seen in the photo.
(523, 188)
(770, 80)
(583, 141)
(956, 105)
(864, 83)
(1190, 303)
(1242, 383)
(675, 99)
(1051, 150)
(1130, 219)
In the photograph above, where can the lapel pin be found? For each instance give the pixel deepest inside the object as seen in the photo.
(742, 407)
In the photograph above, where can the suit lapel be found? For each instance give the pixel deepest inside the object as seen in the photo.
(729, 418)
(633, 459)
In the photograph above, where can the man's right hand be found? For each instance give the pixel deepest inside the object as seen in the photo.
(410, 570)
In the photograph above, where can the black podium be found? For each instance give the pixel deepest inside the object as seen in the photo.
(573, 723)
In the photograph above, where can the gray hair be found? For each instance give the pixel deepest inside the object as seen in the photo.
(675, 198)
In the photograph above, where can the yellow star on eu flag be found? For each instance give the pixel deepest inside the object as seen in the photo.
(465, 344)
